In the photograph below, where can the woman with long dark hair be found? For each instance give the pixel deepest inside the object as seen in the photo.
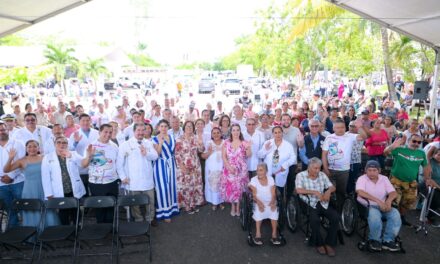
(235, 173)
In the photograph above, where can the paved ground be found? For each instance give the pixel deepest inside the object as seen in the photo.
(216, 237)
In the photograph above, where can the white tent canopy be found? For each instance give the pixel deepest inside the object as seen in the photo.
(419, 20)
(16, 15)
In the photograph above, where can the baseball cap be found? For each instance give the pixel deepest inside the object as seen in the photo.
(7, 117)
(372, 164)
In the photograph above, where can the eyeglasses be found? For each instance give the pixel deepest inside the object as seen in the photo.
(314, 126)
(30, 120)
(352, 126)
(416, 141)
(62, 142)
(251, 124)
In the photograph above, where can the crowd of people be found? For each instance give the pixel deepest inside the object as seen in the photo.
(308, 142)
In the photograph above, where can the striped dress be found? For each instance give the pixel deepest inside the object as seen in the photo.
(165, 181)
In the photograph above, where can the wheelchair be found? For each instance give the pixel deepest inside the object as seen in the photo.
(303, 217)
(247, 206)
(426, 209)
(355, 220)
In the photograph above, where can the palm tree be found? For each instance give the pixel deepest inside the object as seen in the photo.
(315, 12)
(93, 68)
(59, 57)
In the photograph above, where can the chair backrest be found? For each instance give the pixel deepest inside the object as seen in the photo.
(99, 202)
(62, 203)
(133, 200)
(27, 205)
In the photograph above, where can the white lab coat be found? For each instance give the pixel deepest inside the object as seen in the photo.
(82, 145)
(52, 179)
(137, 168)
(287, 159)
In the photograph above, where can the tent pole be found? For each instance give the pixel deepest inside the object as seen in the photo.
(433, 104)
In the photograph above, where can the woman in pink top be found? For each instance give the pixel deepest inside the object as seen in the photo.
(402, 114)
(377, 142)
(71, 127)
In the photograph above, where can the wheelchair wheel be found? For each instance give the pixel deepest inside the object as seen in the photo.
(244, 208)
(349, 216)
(292, 213)
(281, 209)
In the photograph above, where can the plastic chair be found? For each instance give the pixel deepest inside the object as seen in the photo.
(60, 232)
(97, 231)
(133, 229)
(22, 234)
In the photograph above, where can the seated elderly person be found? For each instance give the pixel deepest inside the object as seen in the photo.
(380, 193)
(264, 196)
(315, 188)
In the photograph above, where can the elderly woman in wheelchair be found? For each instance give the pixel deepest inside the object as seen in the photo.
(376, 193)
(265, 204)
(315, 189)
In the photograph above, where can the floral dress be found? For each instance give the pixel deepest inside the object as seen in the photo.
(189, 181)
(234, 183)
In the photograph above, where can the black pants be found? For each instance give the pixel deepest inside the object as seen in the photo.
(315, 226)
(85, 180)
(355, 170)
(67, 216)
(104, 215)
(290, 183)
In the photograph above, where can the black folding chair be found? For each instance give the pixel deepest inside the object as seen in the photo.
(60, 232)
(23, 234)
(133, 229)
(97, 231)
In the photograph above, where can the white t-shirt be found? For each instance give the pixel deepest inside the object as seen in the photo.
(102, 167)
(339, 150)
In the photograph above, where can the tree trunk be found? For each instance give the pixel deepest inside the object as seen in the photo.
(386, 62)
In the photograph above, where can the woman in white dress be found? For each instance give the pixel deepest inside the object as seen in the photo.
(264, 196)
(214, 169)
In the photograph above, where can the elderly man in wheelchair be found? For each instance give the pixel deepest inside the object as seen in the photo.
(376, 193)
(315, 189)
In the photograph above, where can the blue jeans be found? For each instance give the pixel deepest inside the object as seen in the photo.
(392, 227)
(9, 193)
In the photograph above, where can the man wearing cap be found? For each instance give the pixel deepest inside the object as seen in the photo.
(405, 171)
(9, 120)
(267, 109)
(376, 190)
(192, 114)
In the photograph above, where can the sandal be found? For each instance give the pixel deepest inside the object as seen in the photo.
(214, 208)
(275, 241)
(257, 241)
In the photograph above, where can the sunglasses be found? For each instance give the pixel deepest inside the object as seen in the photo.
(416, 141)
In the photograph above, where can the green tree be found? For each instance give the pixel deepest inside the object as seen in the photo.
(93, 68)
(59, 57)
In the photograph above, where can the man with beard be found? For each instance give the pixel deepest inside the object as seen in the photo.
(295, 138)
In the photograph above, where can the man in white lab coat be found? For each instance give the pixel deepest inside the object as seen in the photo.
(41, 134)
(135, 169)
(80, 140)
(61, 176)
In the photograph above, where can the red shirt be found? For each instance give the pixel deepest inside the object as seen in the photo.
(377, 143)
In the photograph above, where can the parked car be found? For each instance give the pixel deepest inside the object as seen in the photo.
(231, 86)
(126, 82)
(206, 85)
